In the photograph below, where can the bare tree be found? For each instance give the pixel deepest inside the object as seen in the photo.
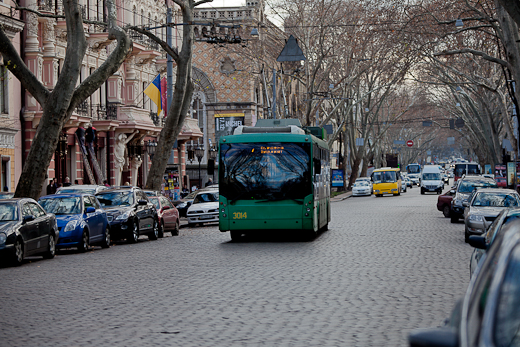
(59, 103)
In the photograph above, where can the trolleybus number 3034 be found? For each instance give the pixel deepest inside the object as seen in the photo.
(239, 215)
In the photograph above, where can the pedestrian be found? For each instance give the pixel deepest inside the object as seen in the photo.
(105, 182)
(127, 183)
(194, 188)
(209, 182)
(49, 187)
(90, 137)
(54, 185)
(6, 188)
(67, 182)
(76, 182)
(185, 191)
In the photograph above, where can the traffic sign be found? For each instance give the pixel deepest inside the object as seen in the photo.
(459, 122)
(409, 143)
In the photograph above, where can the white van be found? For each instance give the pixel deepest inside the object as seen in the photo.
(431, 179)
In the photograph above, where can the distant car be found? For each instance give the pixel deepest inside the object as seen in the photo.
(484, 207)
(368, 180)
(185, 203)
(129, 213)
(361, 188)
(415, 178)
(204, 208)
(168, 215)
(408, 182)
(81, 188)
(464, 188)
(489, 313)
(81, 220)
(26, 230)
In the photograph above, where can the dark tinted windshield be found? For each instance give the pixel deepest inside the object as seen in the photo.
(116, 198)
(205, 197)
(385, 177)
(8, 212)
(61, 205)
(468, 186)
(272, 171)
(413, 168)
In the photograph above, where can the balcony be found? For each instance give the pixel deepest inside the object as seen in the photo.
(104, 112)
(83, 109)
(157, 121)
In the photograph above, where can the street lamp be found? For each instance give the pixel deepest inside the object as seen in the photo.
(199, 153)
(213, 155)
(151, 146)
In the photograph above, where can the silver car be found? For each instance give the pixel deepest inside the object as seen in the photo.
(483, 207)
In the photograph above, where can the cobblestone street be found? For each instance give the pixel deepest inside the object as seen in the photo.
(386, 265)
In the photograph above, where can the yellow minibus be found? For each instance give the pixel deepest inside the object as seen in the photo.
(386, 180)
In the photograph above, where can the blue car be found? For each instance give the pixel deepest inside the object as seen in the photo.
(81, 220)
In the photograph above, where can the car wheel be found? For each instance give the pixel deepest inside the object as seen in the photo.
(454, 218)
(155, 233)
(161, 230)
(466, 237)
(83, 246)
(446, 211)
(134, 233)
(106, 241)
(51, 251)
(18, 253)
(175, 232)
(422, 191)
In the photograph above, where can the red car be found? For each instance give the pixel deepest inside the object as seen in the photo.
(444, 202)
(168, 215)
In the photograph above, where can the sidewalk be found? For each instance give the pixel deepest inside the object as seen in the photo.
(341, 197)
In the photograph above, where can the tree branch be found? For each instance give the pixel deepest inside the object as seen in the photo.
(16, 65)
(201, 2)
(474, 52)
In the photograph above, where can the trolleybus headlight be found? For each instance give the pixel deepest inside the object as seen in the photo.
(223, 210)
(224, 215)
(306, 214)
(308, 209)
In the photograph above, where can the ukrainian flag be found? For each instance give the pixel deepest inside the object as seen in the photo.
(154, 92)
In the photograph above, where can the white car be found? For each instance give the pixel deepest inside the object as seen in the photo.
(361, 188)
(204, 208)
(366, 179)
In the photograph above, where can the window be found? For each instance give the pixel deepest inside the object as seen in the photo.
(26, 210)
(4, 89)
(36, 210)
(87, 202)
(507, 326)
(198, 112)
(95, 202)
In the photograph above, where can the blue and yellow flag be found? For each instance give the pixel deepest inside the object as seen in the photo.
(154, 92)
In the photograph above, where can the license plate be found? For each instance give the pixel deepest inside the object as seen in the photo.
(205, 217)
(431, 190)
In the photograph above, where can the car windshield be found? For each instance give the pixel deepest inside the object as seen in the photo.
(116, 199)
(265, 171)
(384, 177)
(206, 197)
(431, 176)
(468, 186)
(495, 200)
(59, 206)
(8, 212)
(150, 193)
(6, 195)
(361, 184)
(155, 201)
(75, 190)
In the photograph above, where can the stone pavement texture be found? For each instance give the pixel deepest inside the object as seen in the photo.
(387, 265)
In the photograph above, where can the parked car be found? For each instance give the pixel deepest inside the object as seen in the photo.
(361, 188)
(483, 208)
(26, 230)
(464, 188)
(204, 208)
(168, 215)
(488, 315)
(129, 213)
(81, 188)
(6, 195)
(444, 202)
(81, 220)
(483, 242)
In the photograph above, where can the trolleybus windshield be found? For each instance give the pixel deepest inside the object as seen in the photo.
(265, 171)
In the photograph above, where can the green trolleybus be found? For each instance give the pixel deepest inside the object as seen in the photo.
(274, 178)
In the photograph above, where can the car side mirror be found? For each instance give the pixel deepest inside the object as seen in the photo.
(90, 210)
(465, 204)
(434, 337)
(28, 218)
(477, 242)
(165, 208)
(142, 202)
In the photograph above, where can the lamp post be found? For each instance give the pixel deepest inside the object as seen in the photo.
(151, 146)
(199, 153)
